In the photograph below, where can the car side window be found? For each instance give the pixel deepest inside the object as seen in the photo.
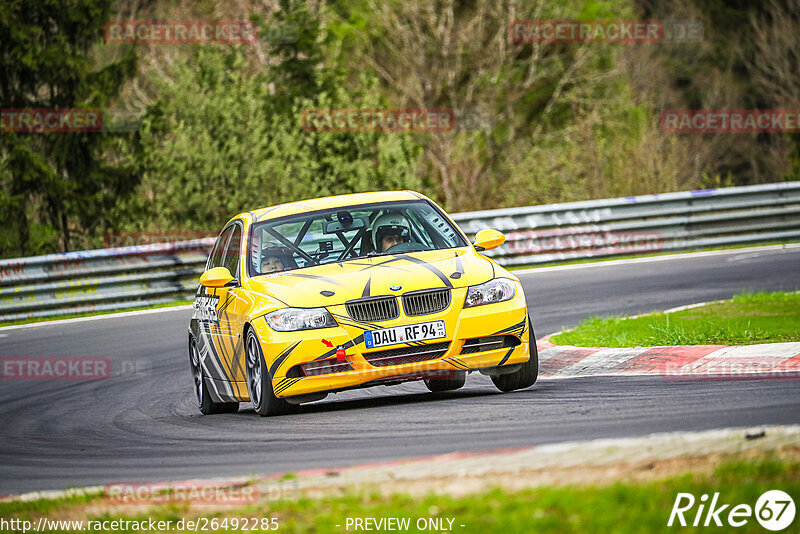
(418, 229)
(231, 256)
(435, 228)
(215, 259)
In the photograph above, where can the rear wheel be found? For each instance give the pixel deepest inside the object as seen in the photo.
(204, 402)
(259, 383)
(526, 376)
(457, 381)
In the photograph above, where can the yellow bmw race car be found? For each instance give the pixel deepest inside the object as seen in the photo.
(318, 296)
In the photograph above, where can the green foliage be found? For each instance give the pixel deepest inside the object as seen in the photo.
(218, 143)
(622, 507)
(51, 182)
(223, 126)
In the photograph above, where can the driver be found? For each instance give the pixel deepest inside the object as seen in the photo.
(274, 258)
(390, 229)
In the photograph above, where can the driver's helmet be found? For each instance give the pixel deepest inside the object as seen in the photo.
(274, 250)
(390, 224)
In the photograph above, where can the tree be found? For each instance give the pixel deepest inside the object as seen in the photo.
(52, 182)
(221, 140)
(508, 97)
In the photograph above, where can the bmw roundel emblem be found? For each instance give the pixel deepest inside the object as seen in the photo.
(395, 288)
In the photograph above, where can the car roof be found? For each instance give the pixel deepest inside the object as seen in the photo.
(313, 204)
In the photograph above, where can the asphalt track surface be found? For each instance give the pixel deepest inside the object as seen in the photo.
(141, 424)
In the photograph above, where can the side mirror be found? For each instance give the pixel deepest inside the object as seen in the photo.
(488, 239)
(216, 277)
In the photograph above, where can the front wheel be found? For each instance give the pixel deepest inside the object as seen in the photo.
(204, 402)
(259, 383)
(526, 376)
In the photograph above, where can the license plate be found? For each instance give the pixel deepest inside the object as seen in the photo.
(404, 334)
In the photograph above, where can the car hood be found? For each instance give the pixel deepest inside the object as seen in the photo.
(336, 283)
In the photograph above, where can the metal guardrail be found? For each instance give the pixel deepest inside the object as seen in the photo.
(643, 224)
(100, 280)
(118, 278)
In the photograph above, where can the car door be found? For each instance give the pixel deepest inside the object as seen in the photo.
(231, 307)
(208, 334)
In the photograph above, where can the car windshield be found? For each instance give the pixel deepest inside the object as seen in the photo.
(347, 233)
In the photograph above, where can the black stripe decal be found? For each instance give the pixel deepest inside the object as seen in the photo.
(285, 385)
(381, 264)
(458, 363)
(391, 260)
(365, 293)
(222, 353)
(431, 268)
(278, 385)
(507, 356)
(238, 352)
(511, 328)
(276, 391)
(228, 299)
(212, 369)
(355, 325)
(348, 321)
(281, 357)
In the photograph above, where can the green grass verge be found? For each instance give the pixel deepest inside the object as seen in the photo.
(746, 319)
(650, 255)
(92, 314)
(623, 507)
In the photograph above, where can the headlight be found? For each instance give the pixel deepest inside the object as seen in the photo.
(496, 290)
(291, 319)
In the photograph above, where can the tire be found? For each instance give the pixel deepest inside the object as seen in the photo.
(203, 398)
(447, 384)
(526, 376)
(259, 383)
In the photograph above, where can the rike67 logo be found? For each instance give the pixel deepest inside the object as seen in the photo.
(774, 510)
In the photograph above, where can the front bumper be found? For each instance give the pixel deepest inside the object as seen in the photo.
(284, 351)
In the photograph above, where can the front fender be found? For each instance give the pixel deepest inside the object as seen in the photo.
(262, 304)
